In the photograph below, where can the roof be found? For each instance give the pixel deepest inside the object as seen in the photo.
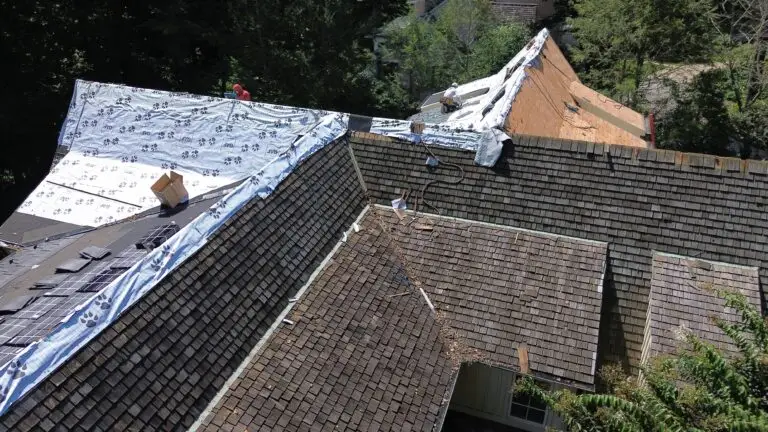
(22, 275)
(119, 140)
(189, 345)
(361, 352)
(539, 94)
(501, 288)
(163, 359)
(360, 349)
(682, 297)
(174, 337)
(636, 200)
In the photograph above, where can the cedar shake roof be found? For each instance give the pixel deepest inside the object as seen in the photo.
(499, 288)
(208, 343)
(681, 296)
(162, 362)
(636, 200)
(365, 353)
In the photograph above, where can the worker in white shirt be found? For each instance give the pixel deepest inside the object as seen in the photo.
(451, 100)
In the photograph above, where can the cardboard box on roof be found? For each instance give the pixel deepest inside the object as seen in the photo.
(170, 190)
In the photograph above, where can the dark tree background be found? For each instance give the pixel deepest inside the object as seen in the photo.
(303, 52)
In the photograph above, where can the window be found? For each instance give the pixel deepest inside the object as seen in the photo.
(529, 408)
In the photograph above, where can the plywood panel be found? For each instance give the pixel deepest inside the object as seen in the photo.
(551, 54)
(537, 109)
(608, 109)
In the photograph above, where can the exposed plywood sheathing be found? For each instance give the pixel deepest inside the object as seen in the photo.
(537, 109)
(608, 109)
(552, 55)
(585, 126)
(541, 107)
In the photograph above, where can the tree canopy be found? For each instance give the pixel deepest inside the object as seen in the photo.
(698, 389)
(624, 45)
(465, 42)
(302, 52)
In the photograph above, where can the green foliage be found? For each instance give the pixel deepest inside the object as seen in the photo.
(617, 37)
(495, 49)
(423, 52)
(699, 122)
(698, 389)
(302, 52)
(464, 43)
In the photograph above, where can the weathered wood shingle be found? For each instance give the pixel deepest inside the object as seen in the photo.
(360, 356)
(160, 364)
(635, 200)
(500, 288)
(682, 297)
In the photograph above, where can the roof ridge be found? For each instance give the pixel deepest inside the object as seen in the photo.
(683, 161)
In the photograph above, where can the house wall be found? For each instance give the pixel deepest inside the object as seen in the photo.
(520, 10)
(486, 392)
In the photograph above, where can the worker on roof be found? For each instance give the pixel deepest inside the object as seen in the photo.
(241, 93)
(451, 100)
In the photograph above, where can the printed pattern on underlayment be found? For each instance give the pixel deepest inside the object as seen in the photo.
(41, 358)
(121, 139)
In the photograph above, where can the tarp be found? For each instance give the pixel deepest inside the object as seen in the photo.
(121, 139)
(481, 117)
(38, 360)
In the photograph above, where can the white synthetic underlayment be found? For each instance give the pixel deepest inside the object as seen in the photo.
(464, 126)
(121, 139)
(41, 358)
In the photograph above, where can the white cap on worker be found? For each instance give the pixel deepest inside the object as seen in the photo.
(454, 85)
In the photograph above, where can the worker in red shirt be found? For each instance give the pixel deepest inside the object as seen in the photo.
(241, 93)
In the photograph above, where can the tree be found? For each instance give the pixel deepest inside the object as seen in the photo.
(617, 38)
(464, 23)
(316, 54)
(699, 121)
(423, 53)
(699, 389)
(305, 53)
(495, 49)
(465, 43)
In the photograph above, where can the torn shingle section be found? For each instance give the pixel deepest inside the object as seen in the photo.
(364, 353)
(682, 298)
(500, 288)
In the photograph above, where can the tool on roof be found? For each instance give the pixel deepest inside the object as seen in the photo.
(426, 186)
